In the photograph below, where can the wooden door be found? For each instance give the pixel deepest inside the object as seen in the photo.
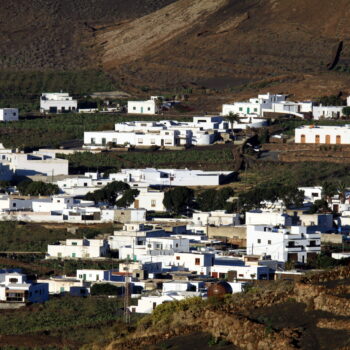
(328, 139)
(302, 139)
(338, 140)
(317, 139)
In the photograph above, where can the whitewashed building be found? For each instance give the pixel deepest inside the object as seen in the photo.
(172, 177)
(283, 244)
(57, 102)
(323, 134)
(78, 248)
(149, 199)
(134, 233)
(143, 107)
(28, 164)
(15, 288)
(65, 285)
(267, 217)
(9, 114)
(254, 105)
(215, 218)
(311, 194)
(203, 130)
(327, 112)
(153, 246)
(223, 267)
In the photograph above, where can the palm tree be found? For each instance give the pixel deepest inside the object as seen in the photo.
(232, 118)
(341, 188)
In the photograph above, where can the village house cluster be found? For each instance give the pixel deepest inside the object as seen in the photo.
(165, 259)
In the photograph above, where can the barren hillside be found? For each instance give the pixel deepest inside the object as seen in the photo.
(235, 47)
(230, 44)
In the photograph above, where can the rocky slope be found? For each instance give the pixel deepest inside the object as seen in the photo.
(312, 314)
(237, 47)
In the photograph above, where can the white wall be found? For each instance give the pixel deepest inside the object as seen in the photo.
(336, 134)
(142, 107)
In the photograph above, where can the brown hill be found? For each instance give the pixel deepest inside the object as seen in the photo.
(230, 44)
(234, 46)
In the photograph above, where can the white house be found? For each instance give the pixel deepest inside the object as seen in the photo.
(283, 244)
(327, 112)
(216, 218)
(134, 234)
(311, 194)
(9, 114)
(15, 288)
(153, 246)
(65, 285)
(91, 275)
(172, 177)
(78, 248)
(81, 185)
(57, 102)
(239, 270)
(266, 217)
(203, 130)
(254, 105)
(27, 164)
(323, 134)
(143, 107)
(149, 199)
(173, 290)
(197, 262)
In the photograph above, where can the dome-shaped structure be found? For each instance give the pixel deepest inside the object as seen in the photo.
(219, 289)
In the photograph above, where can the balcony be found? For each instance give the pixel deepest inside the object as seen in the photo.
(314, 248)
(295, 248)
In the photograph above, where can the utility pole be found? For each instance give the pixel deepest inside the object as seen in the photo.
(127, 294)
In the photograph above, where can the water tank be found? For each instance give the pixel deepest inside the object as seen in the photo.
(219, 289)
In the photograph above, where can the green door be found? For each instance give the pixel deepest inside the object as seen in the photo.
(74, 255)
(141, 109)
(84, 276)
(248, 110)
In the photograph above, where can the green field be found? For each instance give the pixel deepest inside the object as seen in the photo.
(62, 323)
(209, 158)
(52, 131)
(22, 88)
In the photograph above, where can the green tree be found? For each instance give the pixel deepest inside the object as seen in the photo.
(346, 111)
(128, 198)
(109, 193)
(178, 199)
(37, 188)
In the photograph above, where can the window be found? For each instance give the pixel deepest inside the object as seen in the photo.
(177, 245)
(85, 184)
(153, 203)
(259, 240)
(74, 243)
(14, 205)
(197, 261)
(177, 258)
(134, 108)
(240, 109)
(255, 109)
(268, 242)
(139, 141)
(93, 141)
(149, 108)
(153, 141)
